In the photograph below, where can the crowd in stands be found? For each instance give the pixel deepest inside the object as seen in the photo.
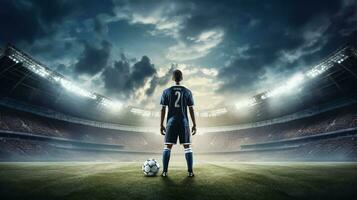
(31, 124)
(323, 123)
(210, 142)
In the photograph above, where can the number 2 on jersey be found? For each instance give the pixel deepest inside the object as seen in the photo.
(178, 94)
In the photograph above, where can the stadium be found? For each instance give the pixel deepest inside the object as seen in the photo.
(45, 117)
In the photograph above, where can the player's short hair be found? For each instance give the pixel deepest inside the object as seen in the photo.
(177, 75)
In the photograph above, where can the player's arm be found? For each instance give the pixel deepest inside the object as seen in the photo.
(192, 114)
(162, 127)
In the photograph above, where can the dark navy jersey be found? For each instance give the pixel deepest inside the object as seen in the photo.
(177, 98)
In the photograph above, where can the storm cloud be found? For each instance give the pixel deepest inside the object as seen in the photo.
(28, 21)
(125, 78)
(160, 81)
(280, 37)
(93, 59)
(249, 43)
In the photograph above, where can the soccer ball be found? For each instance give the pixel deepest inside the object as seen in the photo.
(150, 167)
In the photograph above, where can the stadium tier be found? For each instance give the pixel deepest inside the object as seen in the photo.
(66, 140)
(44, 116)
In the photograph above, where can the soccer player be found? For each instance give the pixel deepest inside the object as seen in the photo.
(177, 98)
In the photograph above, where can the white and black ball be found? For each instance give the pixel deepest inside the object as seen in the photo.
(150, 167)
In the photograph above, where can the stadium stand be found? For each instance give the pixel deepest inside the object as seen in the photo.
(340, 119)
(42, 118)
(280, 136)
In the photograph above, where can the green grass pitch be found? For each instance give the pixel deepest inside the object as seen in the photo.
(86, 181)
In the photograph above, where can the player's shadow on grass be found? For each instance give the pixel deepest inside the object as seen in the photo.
(168, 181)
(188, 181)
(178, 189)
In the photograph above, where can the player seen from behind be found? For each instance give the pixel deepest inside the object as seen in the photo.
(177, 98)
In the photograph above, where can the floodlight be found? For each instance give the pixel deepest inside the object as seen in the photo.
(245, 103)
(112, 105)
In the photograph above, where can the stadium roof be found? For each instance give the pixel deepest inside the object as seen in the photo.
(43, 71)
(22, 76)
(337, 57)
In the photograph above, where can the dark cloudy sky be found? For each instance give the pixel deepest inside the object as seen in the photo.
(127, 49)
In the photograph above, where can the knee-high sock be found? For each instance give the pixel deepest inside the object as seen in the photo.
(166, 159)
(189, 159)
